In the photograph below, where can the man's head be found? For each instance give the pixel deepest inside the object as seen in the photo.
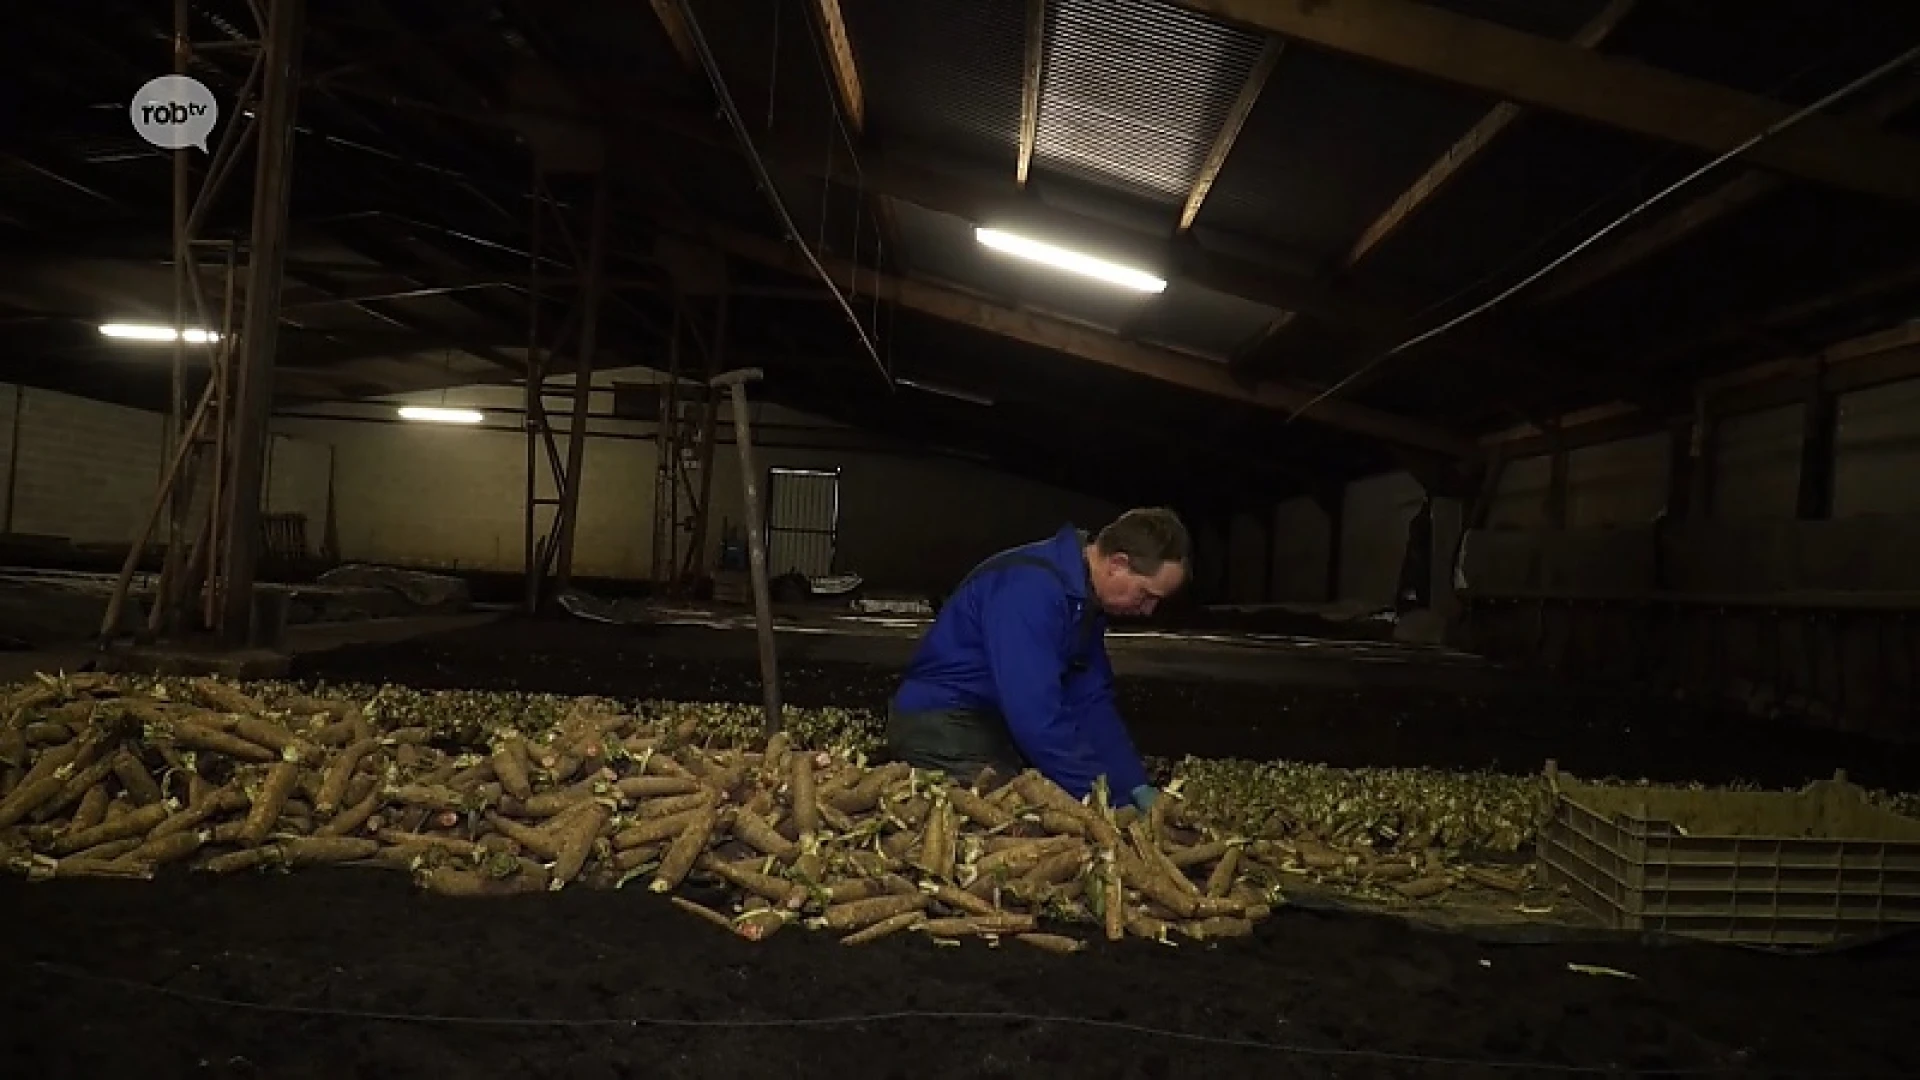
(1138, 561)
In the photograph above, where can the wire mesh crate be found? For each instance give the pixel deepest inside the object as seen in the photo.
(1815, 867)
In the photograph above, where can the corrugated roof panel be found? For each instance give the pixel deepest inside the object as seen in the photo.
(1133, 91)
(942, 73)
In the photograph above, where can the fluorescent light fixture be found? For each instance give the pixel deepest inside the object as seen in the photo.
(150, 332)
(1072, 262)
(432, 415)
(945, 391)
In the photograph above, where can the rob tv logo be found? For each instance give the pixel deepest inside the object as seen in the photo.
(173, 112)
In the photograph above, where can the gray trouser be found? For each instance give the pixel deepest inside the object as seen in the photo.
(963, 743)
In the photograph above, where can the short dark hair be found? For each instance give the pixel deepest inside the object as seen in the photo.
(1148, 537)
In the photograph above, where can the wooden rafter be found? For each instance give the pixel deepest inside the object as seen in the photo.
(1032, 68)
(668, 12)
(1471, 145)
(1742, 191)
(1558, 76)
(1097, 346)
(1855, 364)
(846, 73)
(1230, 131)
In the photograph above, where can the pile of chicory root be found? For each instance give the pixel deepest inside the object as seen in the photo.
(105, 777)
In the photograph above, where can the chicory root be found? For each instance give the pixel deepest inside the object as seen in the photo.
(860, 914)
(171, 848)
(135, 822)
(201, 737)
(356, 815)
(271, 801)
(1053, 943)
(979, 924)
(684, 850)
(906, 920)
(316, 850)
(333, 786)
(93, 807)
(576, 834)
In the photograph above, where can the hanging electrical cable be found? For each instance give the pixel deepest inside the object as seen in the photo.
(1858, 84)
(765, 180)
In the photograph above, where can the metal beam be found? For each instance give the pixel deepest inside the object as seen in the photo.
(1033, 69)
(1560, 77)
(1471, 145)
(1097, 346)
(1229, 132)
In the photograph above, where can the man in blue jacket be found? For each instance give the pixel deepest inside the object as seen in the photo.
(1014, 671)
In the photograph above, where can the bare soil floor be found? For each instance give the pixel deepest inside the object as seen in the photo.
(109, 979)
(325, 973)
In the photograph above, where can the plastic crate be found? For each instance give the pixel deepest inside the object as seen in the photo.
(1814, 867)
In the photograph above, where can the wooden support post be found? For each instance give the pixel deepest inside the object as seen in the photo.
(1818, 429)
(1332, 501)
(1706, 458)
(1682, 459)
(1556, 510)
(735, 384)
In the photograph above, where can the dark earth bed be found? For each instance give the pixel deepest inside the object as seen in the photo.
(1589, 732)
(563, 977)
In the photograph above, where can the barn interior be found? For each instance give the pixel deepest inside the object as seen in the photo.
(1538, 380)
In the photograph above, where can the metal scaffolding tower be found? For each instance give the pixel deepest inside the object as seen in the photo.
(210, 488)
(568, 289)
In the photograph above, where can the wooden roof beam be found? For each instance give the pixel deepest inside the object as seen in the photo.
(1229, 132)
(1097, 346)
(846, 73)
(1471, 145)
(1855, 364)
(1033, 67)
(668, 12)
(1561, 77)
(913, 179)
(1637, 245)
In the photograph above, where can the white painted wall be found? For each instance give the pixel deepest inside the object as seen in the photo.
(452, 497)
(89, 470)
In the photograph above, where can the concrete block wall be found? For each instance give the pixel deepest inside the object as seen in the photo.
(1745, 603)
(1302, 551)
(88, 470)
(1375, 515)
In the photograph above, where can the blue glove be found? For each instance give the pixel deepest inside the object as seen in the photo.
(1144, 797)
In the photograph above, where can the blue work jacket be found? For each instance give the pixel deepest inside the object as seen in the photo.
(1027, 641)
